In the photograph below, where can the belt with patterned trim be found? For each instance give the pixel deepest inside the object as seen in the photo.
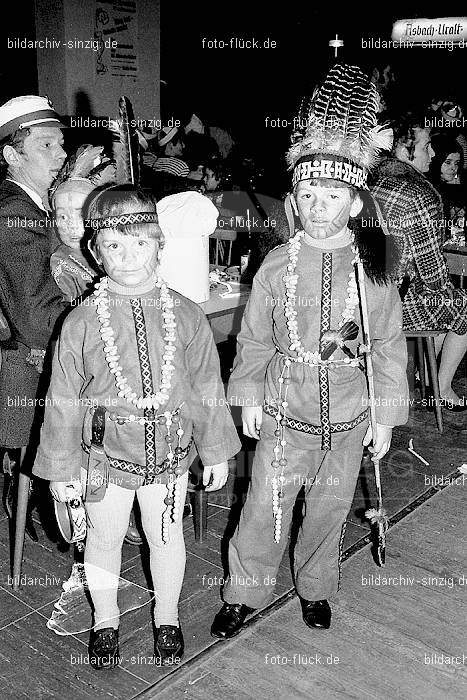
(149, 474)
(311, 429)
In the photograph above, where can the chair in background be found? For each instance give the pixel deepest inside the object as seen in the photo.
(224, 240)
(457, 265)
(426, 339)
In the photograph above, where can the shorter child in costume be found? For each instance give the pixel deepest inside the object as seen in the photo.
(136, 392)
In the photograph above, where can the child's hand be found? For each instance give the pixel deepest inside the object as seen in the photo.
(382, 443)
(60, 490)
(252, 417)
(218, 473)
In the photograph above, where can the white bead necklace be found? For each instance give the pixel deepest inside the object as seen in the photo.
(173, 500)
(290, 280)
(154, 401)
(279, 463)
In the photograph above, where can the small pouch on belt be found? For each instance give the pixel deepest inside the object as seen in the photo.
(98, 464)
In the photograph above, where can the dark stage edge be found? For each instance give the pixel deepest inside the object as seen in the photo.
(165, 682)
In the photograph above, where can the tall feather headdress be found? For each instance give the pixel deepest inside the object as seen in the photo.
(338, 136)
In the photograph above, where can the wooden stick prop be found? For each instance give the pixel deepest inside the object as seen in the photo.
(377, 516)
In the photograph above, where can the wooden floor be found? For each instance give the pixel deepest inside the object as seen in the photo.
(380, 633)
(397, 632)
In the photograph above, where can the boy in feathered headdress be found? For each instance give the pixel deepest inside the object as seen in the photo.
(298, 371)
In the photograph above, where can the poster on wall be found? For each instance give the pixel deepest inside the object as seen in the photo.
(116, 30)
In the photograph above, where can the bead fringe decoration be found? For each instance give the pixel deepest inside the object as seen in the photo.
(173, 499)
(280, 462)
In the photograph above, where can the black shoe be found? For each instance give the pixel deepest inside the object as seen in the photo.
(316, 613)
(229, 620)
(132, 534)
(169, 645)
(103, 648)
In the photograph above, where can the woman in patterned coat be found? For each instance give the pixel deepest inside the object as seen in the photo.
(413, 212)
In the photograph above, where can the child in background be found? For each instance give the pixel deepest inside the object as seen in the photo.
(136, 391)
(71, 271)
(84, 171)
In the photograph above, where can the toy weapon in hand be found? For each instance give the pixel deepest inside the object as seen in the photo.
(377, 516)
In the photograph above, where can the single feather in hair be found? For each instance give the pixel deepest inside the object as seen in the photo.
(129, 140)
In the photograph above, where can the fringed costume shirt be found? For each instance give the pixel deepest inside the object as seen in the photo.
(81, 380)
(322, 404)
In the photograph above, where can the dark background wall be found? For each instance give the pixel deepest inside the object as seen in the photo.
(239, 88)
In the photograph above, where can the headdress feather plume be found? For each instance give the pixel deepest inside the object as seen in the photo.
(86, 163)
(341, 120)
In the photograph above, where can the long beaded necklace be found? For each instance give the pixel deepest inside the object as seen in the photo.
(291, 280)
(313, 358)
(154, 401)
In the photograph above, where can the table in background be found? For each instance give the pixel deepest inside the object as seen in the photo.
(225, 314)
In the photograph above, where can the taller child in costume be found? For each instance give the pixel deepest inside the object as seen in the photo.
(298, 372)
(135, 389)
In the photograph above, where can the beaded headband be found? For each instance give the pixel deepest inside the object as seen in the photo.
(142, 217)
(329, 167)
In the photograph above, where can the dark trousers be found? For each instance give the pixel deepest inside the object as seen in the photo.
(329, 478)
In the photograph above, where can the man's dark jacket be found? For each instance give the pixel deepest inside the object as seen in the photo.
(31, 303)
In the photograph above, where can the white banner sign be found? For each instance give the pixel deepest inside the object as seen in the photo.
(425, 31)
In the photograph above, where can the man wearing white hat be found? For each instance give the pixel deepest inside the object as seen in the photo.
(31, 154)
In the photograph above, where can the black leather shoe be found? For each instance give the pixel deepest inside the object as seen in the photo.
(103, 648)
(229, 620)
(169, 645)
(316, 613)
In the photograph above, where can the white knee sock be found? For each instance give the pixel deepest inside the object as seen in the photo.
(103, 555)
(167, 561)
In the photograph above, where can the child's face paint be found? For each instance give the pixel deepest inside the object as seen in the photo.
(128, 260)
(68, 218)
(323, 211)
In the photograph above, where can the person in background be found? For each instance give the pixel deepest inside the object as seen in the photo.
(216, 176)
(31, 155)
(72, 271)
(446, 115)
(445, 174)
(413, 211)
(164, 153)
